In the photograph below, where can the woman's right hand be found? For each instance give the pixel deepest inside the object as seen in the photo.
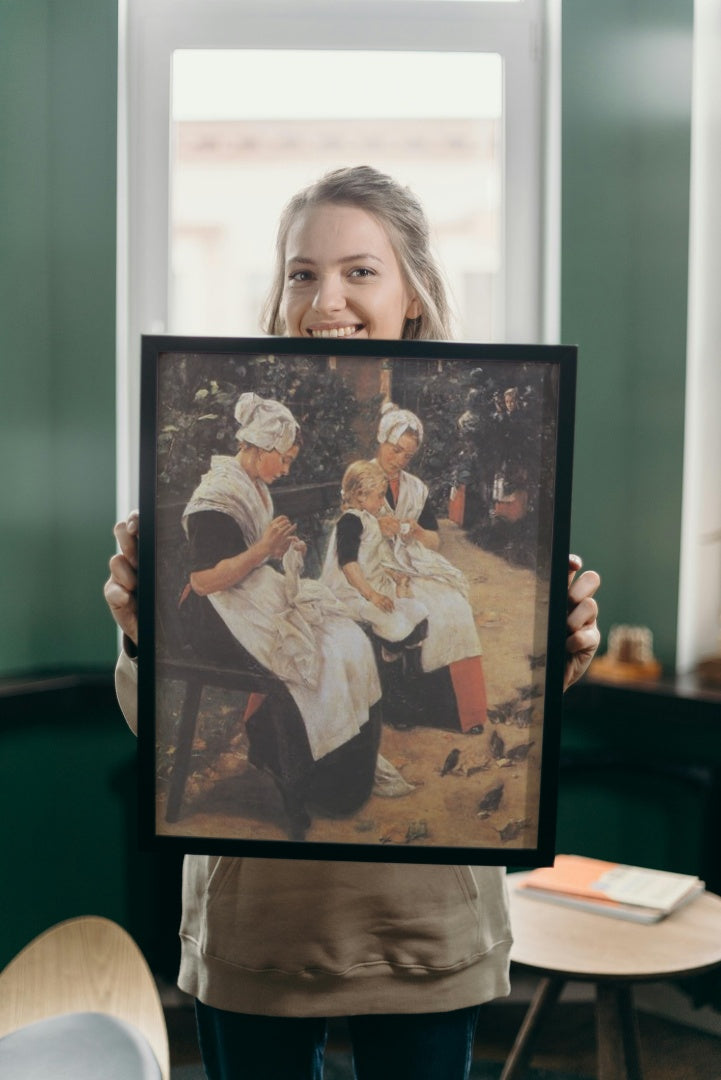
(120, 589)
(278, 537)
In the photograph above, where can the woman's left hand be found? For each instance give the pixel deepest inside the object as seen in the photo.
(583, 635)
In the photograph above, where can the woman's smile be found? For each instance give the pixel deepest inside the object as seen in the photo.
(335, 331)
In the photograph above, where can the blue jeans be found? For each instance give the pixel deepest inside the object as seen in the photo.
(414, 1046)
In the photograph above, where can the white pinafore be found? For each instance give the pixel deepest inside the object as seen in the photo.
(375, 559)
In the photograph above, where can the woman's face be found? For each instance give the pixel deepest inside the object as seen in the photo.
(271, 464)
(394, 457)
(342, 277)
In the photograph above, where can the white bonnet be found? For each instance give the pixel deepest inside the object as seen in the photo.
(265, 423)
(395, 422)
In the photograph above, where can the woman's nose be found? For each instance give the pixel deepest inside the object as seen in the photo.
(329, 295)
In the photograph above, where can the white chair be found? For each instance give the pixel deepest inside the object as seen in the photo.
(80, 1002)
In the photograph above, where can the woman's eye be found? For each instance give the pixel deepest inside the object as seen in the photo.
(299, 276)
(362, 272)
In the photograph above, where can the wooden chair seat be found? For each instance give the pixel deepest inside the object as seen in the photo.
(87, 965)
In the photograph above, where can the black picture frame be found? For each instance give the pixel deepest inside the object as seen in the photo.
(496, 458)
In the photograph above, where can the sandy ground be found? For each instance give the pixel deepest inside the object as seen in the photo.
(227, 798)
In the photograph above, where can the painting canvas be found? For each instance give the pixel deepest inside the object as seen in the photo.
(353, 574)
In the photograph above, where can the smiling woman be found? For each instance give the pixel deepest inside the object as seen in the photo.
(353, 259)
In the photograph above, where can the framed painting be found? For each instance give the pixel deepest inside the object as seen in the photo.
(352, 597)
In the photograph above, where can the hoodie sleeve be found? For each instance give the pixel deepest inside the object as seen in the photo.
(126, 688)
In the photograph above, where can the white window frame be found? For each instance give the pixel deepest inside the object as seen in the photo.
(699, 598)
(525, 34)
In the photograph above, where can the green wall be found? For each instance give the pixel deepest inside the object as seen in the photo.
(58, 74)
(625, 167)
(68, 802)
(66, 759)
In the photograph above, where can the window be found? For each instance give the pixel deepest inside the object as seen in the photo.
(447, 95)
(237, 156)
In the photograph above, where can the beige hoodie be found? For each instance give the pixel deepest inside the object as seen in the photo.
(284, 937)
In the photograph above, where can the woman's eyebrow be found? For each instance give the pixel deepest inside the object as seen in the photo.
(361, 257)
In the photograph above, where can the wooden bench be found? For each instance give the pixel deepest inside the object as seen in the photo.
(175, 656)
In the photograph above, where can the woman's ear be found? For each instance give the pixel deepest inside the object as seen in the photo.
(415, 309)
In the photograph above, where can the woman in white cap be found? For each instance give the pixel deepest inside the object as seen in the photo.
(318, 732)
(451, 692)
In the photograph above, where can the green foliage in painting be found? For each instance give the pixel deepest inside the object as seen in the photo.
(197, 398)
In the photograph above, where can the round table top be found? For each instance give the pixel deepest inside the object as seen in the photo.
(559, 940)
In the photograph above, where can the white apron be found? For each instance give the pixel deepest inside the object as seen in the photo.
(435, 582)
(374, 559)
(294, 626)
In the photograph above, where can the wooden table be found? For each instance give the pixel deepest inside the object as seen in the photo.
(563, 944)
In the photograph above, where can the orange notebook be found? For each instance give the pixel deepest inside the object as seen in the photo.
(631, 892)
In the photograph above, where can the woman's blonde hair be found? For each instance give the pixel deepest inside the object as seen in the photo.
(361, 478)
(402, 216)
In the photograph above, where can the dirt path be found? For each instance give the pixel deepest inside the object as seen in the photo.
(226, 798)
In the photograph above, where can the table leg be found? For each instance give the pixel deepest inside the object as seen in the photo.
(545, 997)
(617, 1033)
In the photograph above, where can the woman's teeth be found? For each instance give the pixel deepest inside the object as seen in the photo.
(336, 332)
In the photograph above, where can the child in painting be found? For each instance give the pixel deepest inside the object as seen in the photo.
(359, 569)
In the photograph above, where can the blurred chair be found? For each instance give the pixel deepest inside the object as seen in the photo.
(80, 1002)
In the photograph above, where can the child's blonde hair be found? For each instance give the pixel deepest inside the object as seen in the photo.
(360, 479)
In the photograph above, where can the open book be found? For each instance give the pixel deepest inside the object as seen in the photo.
(608, 888)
